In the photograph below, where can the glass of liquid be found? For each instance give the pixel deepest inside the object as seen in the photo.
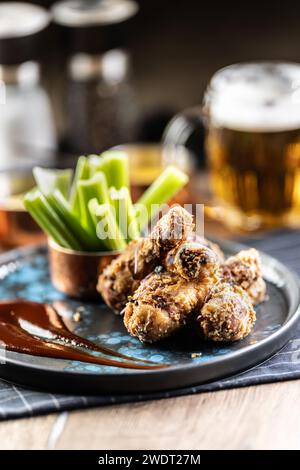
(251, 115)
(16, 225)
(253, 143)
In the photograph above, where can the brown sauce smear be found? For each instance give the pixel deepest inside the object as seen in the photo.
(37, 329)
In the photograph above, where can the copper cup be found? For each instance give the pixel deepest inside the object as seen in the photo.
(75, 273)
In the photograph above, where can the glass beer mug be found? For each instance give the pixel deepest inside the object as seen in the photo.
(252, 116)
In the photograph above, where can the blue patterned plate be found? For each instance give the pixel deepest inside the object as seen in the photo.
(24, 274)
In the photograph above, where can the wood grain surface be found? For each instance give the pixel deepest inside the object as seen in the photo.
(259, 417)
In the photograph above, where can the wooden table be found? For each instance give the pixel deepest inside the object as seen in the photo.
(258, 417)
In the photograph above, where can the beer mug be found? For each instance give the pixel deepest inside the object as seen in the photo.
(252, 116)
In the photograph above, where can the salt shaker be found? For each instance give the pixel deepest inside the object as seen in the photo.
(27, 129)
(100, 105)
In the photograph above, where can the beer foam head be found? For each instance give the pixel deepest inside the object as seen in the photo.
(256, 97)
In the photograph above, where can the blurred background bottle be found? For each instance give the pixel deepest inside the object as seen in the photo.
(100, 108)
(27, 129)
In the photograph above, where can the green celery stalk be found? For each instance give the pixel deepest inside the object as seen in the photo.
(115, 166)
(95, 187)
(125, 214)
(48, 180)
(82, 172)
(87, 240)
(49, 221)
(107, 228)
(97, 163)
(161, 191)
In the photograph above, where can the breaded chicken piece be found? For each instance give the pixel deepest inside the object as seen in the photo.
(244, 269)
(161, 306)
(213, 246)
(165, 300)
(173, 228)
(192, 260)
(122, 277)
(117, 279)
(227, 315)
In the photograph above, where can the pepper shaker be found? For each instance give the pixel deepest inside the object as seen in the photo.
(100, 105)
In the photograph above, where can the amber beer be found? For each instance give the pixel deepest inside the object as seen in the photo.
(16, 226)
(253, 143)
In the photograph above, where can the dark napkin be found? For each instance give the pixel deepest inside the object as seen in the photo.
(16, 402)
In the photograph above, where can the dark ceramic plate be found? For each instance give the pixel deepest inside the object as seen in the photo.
(24, 274)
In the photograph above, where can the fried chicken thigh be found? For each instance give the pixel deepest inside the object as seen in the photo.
(160, 306)
(162, 281)
(165, 300)
(212, 246)
(117, 280)
(244, 269)
(173, 228)
(122, 277)
(227, 315)
(192, 260)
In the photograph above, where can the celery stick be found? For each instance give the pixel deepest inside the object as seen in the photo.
(56, 221)
(97, 163)
(101, 187)
(46, 226)
(117, 198)
(88, 241)
(95, 187)
(107, 227)
(125, 215)
(82, 172)
(48, 180)
(161, 190)
(85, 196)
(46, 217)
(115, 166)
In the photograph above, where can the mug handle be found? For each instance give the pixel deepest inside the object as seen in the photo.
(187, 128)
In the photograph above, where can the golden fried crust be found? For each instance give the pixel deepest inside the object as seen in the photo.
(174, 227)
(192, 261)
(162, 304)
(213, 246)
(116, 281)
(244, 269)
(227, 315)
(122, 277)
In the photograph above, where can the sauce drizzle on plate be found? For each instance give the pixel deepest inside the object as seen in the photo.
(37, 329)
